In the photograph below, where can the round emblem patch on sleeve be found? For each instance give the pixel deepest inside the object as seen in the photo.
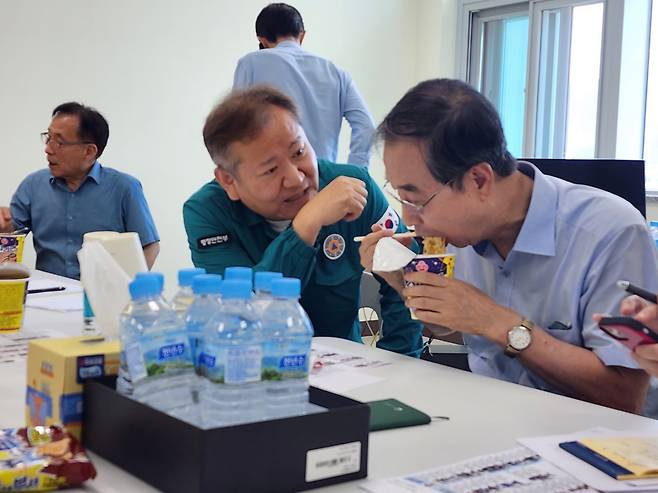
(333, 246)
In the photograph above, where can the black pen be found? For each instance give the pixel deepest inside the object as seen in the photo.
(46, 290)
(642, 293)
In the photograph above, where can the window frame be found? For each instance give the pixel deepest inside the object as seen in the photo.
(610, 66)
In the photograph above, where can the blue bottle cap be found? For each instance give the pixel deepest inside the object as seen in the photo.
(144, 285)
(206, 283)
(185, 276)
(263, 280)
(157, 275)
(287, 287)
(235, 289)
(241, 273)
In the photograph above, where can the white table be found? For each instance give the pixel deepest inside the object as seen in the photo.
(486, 415)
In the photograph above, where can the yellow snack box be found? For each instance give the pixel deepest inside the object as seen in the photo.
(56, 369)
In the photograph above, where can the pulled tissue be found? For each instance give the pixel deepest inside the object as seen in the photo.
(390, 255)
(106, 285)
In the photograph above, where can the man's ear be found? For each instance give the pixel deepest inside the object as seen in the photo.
(301, 37)
(481, 178)
(90, 152)
(266, 43)
(227, 182)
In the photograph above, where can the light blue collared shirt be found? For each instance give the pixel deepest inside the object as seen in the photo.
(107, 200)
(575, 243)
(322, 92)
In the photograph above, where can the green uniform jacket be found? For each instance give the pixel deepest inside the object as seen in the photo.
(223, 233)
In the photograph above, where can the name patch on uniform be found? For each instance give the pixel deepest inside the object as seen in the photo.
(212, 241)
(333, 246)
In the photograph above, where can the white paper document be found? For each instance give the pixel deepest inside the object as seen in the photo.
(69, 287)
(548, 448)
(340, 372)
(511, 471)
(58, 302)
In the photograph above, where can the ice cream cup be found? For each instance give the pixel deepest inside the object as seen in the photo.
(439, 264)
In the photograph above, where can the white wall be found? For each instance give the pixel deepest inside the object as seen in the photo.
(155, 67)
(436, 38)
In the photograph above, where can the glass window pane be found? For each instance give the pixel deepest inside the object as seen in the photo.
(504, 59)
(583, 90)
(552, 88)
(633, 79)
(651, 123)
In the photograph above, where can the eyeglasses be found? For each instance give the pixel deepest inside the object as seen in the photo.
(418, 208)
(56, 143)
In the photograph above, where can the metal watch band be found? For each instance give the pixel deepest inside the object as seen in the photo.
(511, 351)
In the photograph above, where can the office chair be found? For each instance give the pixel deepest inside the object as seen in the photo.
(624, 178)
(370, 309)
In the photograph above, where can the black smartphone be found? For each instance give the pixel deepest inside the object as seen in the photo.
(628, 331)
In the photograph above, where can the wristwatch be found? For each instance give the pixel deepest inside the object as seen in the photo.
(519, 338)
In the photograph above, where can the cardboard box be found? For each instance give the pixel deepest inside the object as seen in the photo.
(56, 369)
(289, 454)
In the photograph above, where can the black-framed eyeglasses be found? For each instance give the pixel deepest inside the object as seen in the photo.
(56, 143)
(393, 193)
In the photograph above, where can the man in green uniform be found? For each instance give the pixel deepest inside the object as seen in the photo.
(275, 207)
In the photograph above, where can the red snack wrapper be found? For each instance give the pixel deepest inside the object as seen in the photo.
(41, 458)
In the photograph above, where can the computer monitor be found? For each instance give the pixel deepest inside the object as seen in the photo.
(624, 178)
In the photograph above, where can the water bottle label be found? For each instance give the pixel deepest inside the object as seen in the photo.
(207, 360)
(285, 366)
(211, 362)
(152, 356)
(243, 364)
(171, 351)
(195, 347)
(135, 360)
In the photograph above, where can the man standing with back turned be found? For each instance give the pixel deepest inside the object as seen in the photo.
(322, 92)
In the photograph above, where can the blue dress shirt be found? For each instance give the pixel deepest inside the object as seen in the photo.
(322, 92)
(575, 243)
(107, 200)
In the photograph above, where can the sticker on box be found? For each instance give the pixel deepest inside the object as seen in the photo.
(329, 462)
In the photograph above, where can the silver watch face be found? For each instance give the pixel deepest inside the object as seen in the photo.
(519, 337)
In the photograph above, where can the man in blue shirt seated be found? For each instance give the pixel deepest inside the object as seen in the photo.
(536, 256)
(76, 194)
(322, 92)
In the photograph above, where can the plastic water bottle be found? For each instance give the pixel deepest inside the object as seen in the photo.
(232, 390)
(239, 274)
(206, 288)
(263, 290)
(287, 334)
(157, 352)
(124, 382)
(653, 227)
(184, 297)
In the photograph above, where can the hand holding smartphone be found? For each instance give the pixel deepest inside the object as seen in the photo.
(628, 331)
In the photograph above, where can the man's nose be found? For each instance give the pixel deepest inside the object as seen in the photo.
(293, 176)
(410, 215)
